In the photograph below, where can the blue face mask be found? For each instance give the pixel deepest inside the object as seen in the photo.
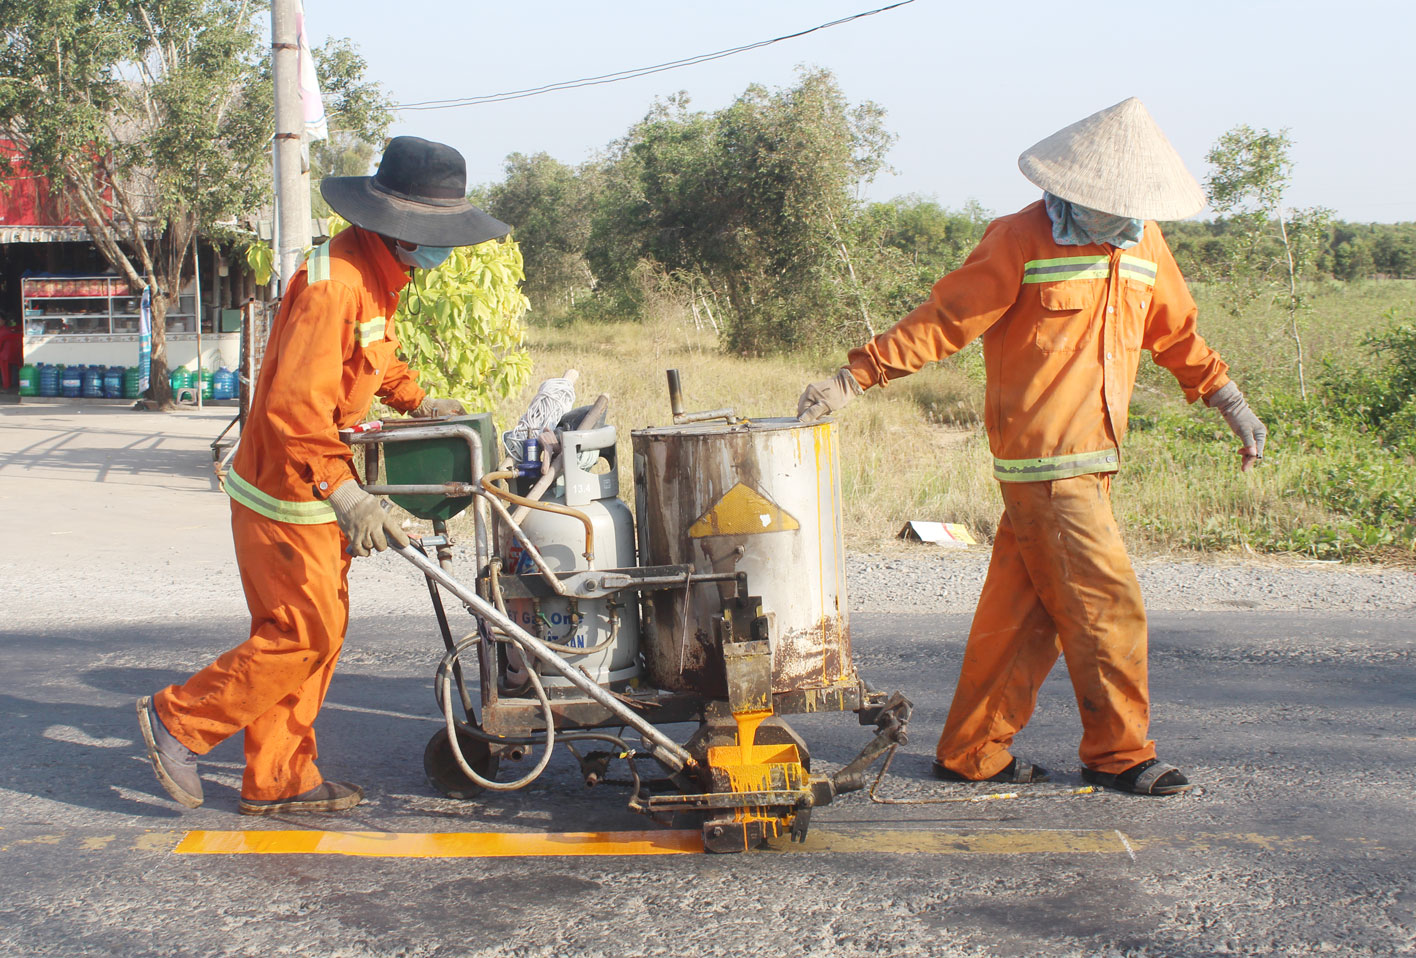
(423, 257)
(1076, 225)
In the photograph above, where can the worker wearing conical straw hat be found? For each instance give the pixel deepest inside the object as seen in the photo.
(1065, 294)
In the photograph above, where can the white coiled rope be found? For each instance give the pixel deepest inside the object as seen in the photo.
(554, 398)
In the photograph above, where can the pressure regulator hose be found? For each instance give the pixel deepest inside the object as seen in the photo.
(445, 699)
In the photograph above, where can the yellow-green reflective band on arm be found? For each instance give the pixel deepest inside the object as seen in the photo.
(1048, 468)
(318, 265)
(371, 332)
(1066, 268)
(295, 513)
(1136, 269)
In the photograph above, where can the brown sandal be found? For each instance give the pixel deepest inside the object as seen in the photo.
(1151, 777)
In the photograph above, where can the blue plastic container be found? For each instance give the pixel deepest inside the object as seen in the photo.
(113, 382)
(93, 382)
(223, 384)
(71, 382)
(48, 379)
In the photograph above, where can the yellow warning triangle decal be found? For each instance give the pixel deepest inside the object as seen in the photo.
(742, 512)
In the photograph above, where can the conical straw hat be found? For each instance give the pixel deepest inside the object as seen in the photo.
(1116, 161)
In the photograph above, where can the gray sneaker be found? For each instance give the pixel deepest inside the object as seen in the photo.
(174, 763)
(324, 797)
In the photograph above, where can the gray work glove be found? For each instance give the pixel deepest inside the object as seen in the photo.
(363, 521)
(431, 408)
(1235, 410)
(828, 396)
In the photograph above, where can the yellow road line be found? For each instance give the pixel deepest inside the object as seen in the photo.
(821, 840)
(440, 844)
(538, 844)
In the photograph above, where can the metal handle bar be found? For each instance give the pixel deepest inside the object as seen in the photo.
(663, 748)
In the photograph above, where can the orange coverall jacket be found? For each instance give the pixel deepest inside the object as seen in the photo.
(1063, 328)
(316, 380)
(331, 350)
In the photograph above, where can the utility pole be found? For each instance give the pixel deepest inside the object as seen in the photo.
(292, 184)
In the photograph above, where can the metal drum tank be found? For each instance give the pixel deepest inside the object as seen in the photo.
(762, 498)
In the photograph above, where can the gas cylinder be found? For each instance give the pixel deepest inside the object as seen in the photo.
(761, 498)
(609, 626)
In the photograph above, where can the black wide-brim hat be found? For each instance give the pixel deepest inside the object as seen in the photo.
(418, 195)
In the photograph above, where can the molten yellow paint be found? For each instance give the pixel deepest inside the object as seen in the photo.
(742, 511)
(748, 723)
(440, 845)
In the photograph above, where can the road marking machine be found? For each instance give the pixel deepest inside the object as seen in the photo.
(720, 601)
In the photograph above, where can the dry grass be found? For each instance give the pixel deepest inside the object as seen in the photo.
(917, 450)
(900, 456)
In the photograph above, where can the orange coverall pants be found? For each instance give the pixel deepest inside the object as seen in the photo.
(273, 684)
(1059, 580)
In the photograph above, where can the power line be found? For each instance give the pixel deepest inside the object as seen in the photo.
(634, 73)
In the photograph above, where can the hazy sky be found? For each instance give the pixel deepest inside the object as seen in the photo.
(966, 86)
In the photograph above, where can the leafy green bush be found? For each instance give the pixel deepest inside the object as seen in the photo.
(1382, 395)
(460, 325)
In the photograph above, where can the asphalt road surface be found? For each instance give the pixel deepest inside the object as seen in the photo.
(1299, 841)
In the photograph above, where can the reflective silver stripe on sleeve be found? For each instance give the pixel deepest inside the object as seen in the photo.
(374, 331)
(281, 510)
(1047, 468)
(318, 264)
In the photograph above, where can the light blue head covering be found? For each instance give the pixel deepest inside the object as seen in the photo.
(1075, 225)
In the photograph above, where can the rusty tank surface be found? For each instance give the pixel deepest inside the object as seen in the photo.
(759, 497)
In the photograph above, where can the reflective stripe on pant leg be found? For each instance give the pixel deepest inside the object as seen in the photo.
(313, 605)
(1012, 646)
(293, 579)
(1075, 556)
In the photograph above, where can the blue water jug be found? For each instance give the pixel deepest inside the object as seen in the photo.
(93, 382)
(223, 384)
(113, 382)
(48, 379)
(71, 382)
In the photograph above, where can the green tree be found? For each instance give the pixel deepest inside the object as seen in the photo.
(751, 206)
(152, 119)
(460, 325)
(358, 112)
(1250, 172)
(549, 206)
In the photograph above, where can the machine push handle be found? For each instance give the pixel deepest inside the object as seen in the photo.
(663, 748)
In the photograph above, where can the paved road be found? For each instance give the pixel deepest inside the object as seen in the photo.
(1300, 840)
(118, 578)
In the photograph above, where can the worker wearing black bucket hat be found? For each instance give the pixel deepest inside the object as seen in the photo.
(297, 510)
(418, 195)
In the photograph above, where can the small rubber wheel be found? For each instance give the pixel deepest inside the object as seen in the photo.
(443, 772)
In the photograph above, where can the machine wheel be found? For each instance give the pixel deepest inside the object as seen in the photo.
(443, 772)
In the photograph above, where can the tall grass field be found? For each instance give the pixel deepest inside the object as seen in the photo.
(1338, 480)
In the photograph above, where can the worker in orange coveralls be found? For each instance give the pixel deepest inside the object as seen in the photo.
(297, 511)
(1065, 293)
